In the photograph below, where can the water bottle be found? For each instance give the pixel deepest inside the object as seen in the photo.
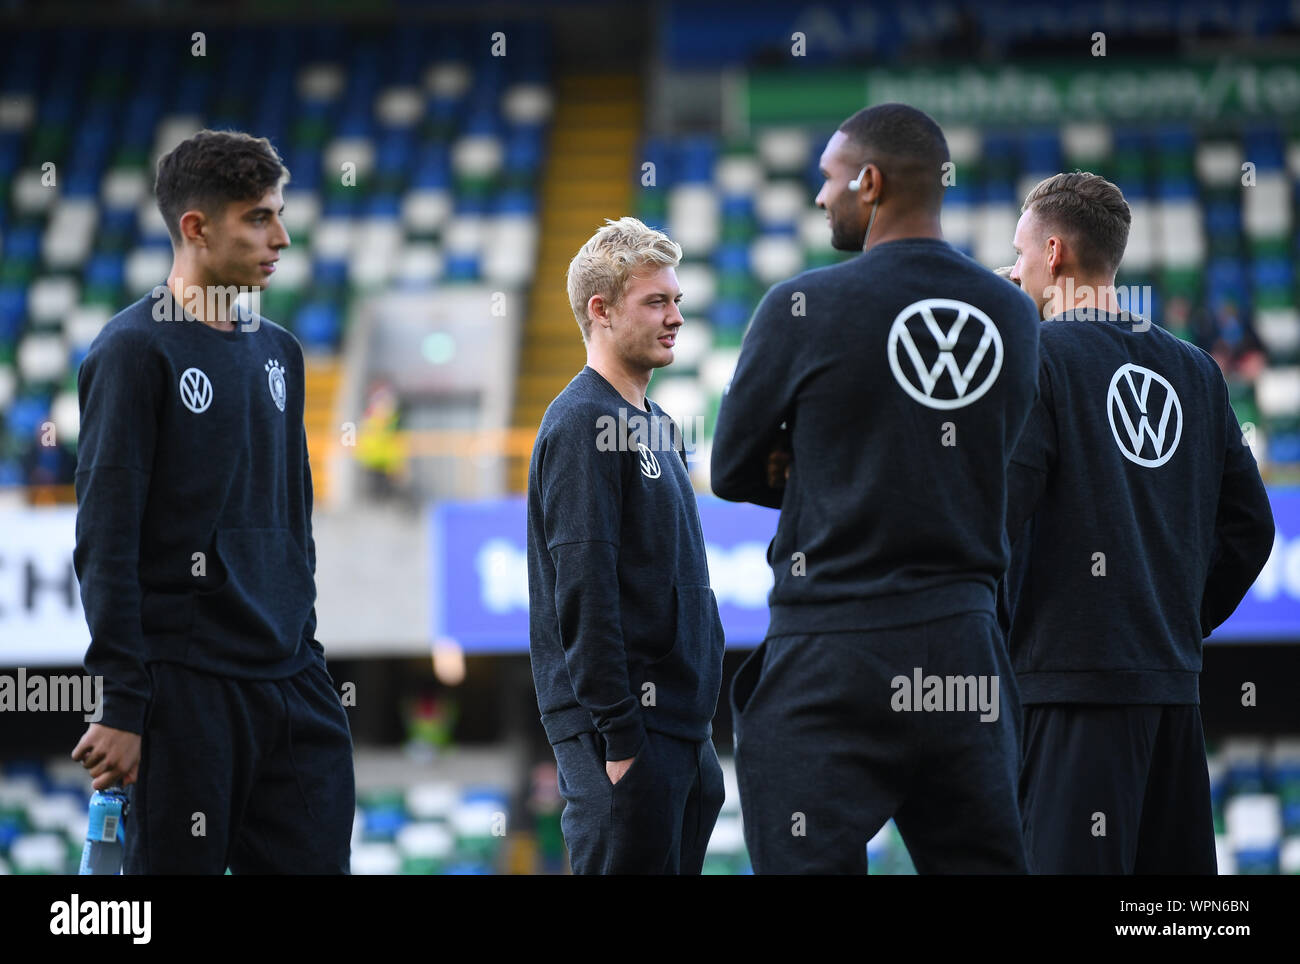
(105, 835)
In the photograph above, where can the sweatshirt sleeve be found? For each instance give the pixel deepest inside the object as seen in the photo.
(581, 485)
(119, 388)
(309, 630)
(1034, 457)
(754, 405)
(1243, 528)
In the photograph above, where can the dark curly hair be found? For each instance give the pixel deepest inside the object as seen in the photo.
(211, 169)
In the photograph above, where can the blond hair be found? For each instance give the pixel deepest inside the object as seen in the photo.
(604, 265)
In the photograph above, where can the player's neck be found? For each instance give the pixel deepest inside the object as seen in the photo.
(1076, 293)
(921, 226)
(191, 289)
(631, 385)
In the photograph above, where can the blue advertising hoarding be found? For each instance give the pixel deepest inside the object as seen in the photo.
(481, 574)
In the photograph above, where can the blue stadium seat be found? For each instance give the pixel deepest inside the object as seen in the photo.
(13, 309)
(330, 271)
(1226, 278)
(1041, 151)
(25, 416)
(318, 325)
(11, 474)
(516, 202)
(395, 152)
(1223, 218)
(732, 259)
(462, 267)
(524, 149)
(105, 269)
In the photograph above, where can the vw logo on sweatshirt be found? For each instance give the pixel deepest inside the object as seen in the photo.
(1144, 415)
(196, 390)
(275, 381)
(649, 464)
(931, 351)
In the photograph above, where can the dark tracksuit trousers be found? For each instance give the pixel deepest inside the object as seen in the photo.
(824, 760)
(266, 763)
(656, 820)
(1116, 790)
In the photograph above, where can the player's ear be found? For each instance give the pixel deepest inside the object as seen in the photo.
(870, 185)
(193, 225)
(598, 311)
(1055, 254)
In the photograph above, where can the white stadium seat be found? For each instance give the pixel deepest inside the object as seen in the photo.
(30, 193)
(1253, 821)
(995, 227)
(738, 174)
(42, 358)
(171, 130)
(693, 216)
(17, 111)
(694, 342)
(814, 230)
(321, 81)
(477, 155)
(301, 210)
(782, 202)
(125, 187)
(775, 257)
(83, 323)
(1277, 392)
(146, 267)
(426, 210)
(356, 151)
(784, 150)
(1181, 234)
(1140, 255)
(420, 262)
(8, 384)
(964, 143)
(527, 103)
(1086, 141)
(70, 232)
(699, 284)
(1218, 163)
(400, 106)
(1266, 207)
(333, 238)
(448, 79)
(51, 298)
(1279, 329)
(65, 413)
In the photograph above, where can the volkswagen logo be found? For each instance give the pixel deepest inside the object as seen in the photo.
(1132, 406)
(196, 390)
(649, 464)
(921, 352)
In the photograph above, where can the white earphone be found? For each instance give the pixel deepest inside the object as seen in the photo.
(857, 181)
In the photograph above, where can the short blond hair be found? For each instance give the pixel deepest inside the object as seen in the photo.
(1091, 210)
(610, 258)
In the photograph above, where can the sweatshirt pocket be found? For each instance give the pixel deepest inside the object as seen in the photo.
(688, 677)
(257, 614)
(166, 613)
